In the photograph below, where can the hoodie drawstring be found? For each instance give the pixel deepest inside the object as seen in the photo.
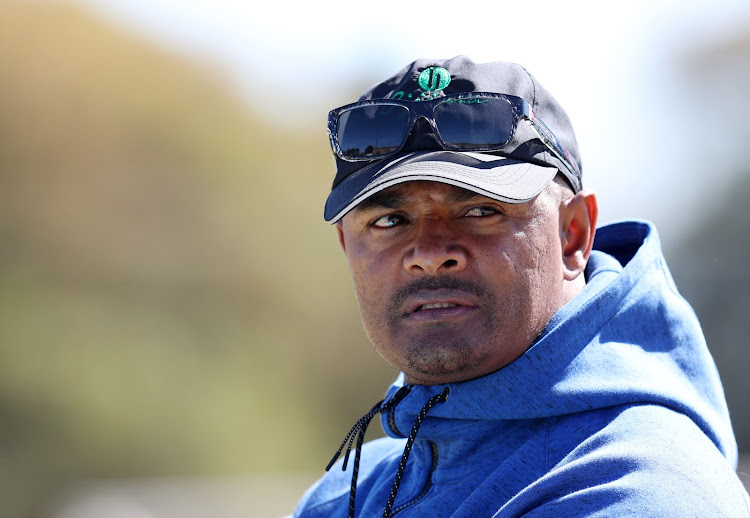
(360, 428)
(440, 398)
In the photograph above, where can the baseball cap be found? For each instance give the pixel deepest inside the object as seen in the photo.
(515, 174)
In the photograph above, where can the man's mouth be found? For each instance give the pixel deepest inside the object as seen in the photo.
(441, 305)
(436, 305)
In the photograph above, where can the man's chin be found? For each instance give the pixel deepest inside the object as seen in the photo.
(449, 362)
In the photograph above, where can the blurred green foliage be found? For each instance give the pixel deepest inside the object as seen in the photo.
(171, 301)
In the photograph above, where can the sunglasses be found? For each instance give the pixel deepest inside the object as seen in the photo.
(476, 121)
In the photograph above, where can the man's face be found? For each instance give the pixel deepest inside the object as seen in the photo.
(453, 285)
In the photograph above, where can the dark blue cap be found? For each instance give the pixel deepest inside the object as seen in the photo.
(514, 175)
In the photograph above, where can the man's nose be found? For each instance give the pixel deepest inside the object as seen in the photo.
(435, 249)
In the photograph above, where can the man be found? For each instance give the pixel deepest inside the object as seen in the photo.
(544, 372)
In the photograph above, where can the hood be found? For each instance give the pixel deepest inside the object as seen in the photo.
(627, 338)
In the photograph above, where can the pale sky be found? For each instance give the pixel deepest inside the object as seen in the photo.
(614, 66)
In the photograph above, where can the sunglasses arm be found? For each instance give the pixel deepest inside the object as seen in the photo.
(554, 145)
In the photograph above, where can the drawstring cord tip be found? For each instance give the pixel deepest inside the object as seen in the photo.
(360, 428)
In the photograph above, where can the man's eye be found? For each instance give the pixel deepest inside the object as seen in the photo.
(479, 212)
(387, 221)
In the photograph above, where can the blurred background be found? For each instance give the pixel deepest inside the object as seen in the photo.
(178, 332)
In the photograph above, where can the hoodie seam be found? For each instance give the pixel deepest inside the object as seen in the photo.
(547, 439)
(428, 483)
(392, 422)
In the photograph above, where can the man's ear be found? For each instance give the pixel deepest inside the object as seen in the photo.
(578, 218)
(339, 228)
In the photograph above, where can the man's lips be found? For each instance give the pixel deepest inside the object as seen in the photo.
(438, 304)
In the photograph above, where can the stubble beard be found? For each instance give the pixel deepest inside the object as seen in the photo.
(444, 350)
(432, 363)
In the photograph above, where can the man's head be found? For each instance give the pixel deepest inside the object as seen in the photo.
(459, 256)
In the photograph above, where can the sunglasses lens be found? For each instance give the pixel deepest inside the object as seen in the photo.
(372, 131)
(474, 123)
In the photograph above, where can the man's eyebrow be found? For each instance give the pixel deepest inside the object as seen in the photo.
(390, 200)
(381, 200)
(460, 195)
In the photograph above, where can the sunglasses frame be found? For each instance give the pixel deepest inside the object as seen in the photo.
(521, 110)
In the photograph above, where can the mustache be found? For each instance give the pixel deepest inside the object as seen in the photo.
(436, 283)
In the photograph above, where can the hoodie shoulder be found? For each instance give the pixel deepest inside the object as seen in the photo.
(637, 460)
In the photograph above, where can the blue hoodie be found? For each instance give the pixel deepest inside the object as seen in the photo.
(616, 410)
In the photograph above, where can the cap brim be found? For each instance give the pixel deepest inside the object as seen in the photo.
(497, 177)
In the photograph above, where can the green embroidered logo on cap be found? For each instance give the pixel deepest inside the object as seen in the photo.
(433, 79)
